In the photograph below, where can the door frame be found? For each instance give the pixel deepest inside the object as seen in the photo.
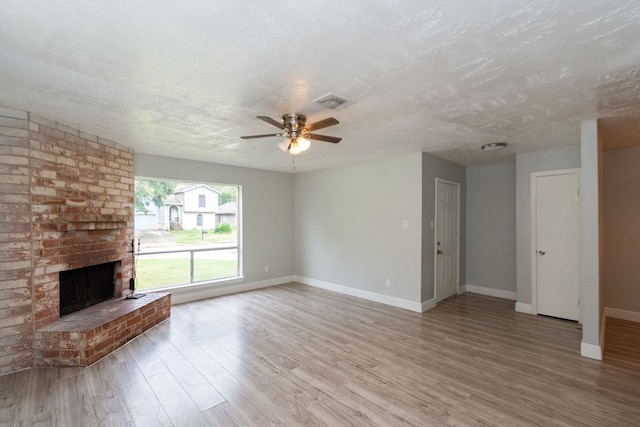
(435, 239)
(534, 235)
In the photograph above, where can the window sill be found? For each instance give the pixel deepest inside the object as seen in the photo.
(199, 286)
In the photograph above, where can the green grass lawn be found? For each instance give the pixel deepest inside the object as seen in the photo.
(190, 237)
(157, 273)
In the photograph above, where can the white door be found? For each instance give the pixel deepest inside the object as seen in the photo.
(447, 238)
(557, 244)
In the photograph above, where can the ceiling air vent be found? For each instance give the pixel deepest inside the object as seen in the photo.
(333, 101)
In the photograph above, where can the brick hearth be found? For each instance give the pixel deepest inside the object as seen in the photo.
(66, 202)
(84, 337)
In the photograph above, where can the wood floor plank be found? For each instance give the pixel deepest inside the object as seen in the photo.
(295, 355)
(180, 409)
(203, 394)
(103, 395)
(221, 415)
(143, 405)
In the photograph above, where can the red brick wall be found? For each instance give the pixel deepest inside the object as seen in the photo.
(16, 317)
(66, 201)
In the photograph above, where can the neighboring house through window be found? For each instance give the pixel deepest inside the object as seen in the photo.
(186, 246)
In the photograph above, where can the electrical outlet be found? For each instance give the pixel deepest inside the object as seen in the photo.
(405, 224)
(387, 283)
(266, 268)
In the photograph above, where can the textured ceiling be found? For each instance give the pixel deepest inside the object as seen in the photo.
(187, 78)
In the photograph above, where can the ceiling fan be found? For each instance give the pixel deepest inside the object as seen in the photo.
(297, 132)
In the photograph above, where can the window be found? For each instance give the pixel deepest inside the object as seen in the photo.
(181, 246)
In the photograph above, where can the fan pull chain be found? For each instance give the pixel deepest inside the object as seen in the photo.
(293, 162)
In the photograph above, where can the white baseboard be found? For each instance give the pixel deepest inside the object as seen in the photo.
(180, 295)
(617, 313)
(428, 305)
(524, 308)
(359, 293)
(491, 292)
(591, 351)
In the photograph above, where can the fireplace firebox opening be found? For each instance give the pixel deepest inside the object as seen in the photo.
(86, 286)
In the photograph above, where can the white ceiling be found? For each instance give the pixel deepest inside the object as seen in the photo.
(187, 78)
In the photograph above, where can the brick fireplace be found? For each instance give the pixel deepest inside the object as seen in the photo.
(66, 203)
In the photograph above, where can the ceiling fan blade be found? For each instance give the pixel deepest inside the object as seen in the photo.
(325, 138)
(322, 124)
(262, 136)
(271, 121)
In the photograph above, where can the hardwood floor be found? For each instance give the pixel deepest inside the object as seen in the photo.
(622, 343)
(295, 355)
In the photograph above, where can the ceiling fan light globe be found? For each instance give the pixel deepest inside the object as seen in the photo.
(284, 145)
(295, 148)
(304, 144)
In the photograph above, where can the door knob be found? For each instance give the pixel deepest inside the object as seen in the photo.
(541, 252)
(440, 252)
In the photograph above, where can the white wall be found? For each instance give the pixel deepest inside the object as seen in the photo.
(491, 226)
(433, 168)
(348, 226)
(590, 250)
(622, 233)
(526, 163)
(267, 208)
